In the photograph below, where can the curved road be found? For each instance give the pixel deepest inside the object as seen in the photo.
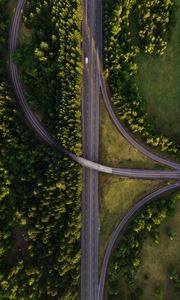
(118, 232)
(121, 128)
(38, 127)
(119, 125)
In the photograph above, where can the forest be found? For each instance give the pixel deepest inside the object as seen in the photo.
(40, 189)
(124, 39)
(50, 61)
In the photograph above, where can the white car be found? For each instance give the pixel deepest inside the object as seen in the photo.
(86, 60)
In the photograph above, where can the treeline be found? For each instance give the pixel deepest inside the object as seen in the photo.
(40, 190)
(41, 197)
(120, 51)
(50, 60)
(153, 18)
(3, 30)
(127, 257)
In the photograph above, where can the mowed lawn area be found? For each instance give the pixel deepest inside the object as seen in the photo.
(158, 257)
(158, 80)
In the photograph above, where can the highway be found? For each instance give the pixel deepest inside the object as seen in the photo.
(92, 40)
(118, 232)
(110, 109)
(90, 126)
(36, 125)
(92, 81)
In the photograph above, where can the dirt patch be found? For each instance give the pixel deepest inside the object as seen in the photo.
(20, 241)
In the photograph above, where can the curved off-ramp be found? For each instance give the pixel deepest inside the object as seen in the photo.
(119, 125)
(43, 133)
(118, 232)
(123, 130)
(39, 129)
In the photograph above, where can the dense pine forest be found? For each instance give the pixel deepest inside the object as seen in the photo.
(40, 190)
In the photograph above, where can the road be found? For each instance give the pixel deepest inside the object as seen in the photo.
(36, 125)
(91, 40)
(92, 80)
(118, 232)
(124, 131)
(90, 125)
(110, 109)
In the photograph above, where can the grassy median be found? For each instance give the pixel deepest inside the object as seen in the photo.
(115, 150)
(117, 195)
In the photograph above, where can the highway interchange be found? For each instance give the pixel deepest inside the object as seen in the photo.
(117, 233)
(93, 80)
(36, 125)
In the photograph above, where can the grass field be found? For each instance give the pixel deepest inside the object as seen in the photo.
(158, 81)
(157, 258)
(115, 150)
(11, 6)
(26, 33)
(117, 196)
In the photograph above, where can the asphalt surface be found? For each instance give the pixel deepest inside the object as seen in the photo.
(90, 125)
(118, 232)
(30, 117)
(36, 125)
(109, 106)
(92, 80)
(123, 130)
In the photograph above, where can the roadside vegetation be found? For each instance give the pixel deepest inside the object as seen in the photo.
(10, 6)
(116, 151)
(121, 50)
(141, 42)
(40, 190)
(50, 62)
(128, 257)
(160, 267)
(117, 196)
